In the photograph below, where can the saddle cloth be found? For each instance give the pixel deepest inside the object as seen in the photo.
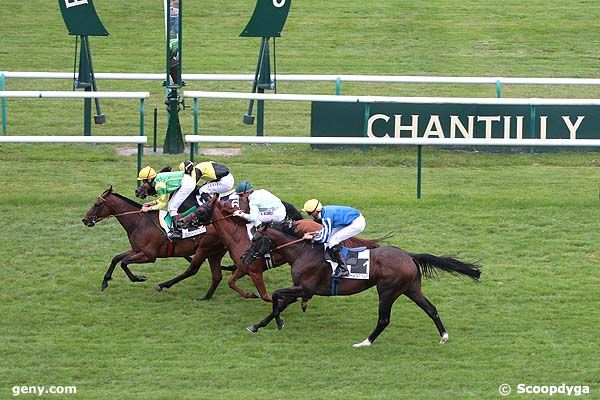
(357, 260)
(166, 223)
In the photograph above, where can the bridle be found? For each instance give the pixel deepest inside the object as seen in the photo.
(101, 205)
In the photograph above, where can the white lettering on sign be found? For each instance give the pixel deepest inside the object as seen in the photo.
(279, 3)
(573, 127)
(75, 3)
(512, 126)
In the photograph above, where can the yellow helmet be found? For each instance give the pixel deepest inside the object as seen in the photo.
(312, 205)
(146, 173)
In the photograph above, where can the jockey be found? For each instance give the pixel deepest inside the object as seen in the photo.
(264, 205)
(339, 223)
(217, 176)
(180, 183)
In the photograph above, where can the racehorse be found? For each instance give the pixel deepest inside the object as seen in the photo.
(392, 270)
(149, 241)
(234, 236)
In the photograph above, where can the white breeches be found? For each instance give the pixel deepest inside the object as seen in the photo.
(276, 215)
(221, 186)
(177, 199)
(340, 234)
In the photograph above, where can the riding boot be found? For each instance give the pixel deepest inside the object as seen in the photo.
(175, 233)
(341, 270)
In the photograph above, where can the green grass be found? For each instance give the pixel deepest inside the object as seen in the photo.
(530, 219)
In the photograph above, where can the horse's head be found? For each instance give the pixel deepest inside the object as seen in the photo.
(202, 215)
(260, 245)
(144, 190)
(99, 210)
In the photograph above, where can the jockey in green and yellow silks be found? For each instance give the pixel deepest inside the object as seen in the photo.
(179, 183)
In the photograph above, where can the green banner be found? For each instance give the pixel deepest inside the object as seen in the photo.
(81, 19)
(268, 18)
(455, 121)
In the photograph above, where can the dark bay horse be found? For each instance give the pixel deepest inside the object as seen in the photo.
(393, 271)
(233, 234)
(149, 241)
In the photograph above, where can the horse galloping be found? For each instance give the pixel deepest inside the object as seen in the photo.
(234, 236)
(392, 270)
(149, 241)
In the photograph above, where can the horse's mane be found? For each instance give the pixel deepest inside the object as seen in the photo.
(127, 200)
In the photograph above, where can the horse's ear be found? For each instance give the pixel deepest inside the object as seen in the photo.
(109, 190)
(165, 169)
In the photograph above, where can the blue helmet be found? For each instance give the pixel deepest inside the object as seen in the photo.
(243, 187)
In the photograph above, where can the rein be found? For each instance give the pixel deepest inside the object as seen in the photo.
(292, 242)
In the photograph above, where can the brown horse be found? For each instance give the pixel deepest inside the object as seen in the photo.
(233, 234)
(392, 270)
(149, 241)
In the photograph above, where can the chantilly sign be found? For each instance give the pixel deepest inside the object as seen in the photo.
(455, 121)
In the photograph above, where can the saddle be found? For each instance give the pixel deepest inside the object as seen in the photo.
(167, 224)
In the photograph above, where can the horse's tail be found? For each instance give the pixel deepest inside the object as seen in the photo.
(291, 211)
(428, 262)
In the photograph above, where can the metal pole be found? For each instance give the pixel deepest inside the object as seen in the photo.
(194, 146)
(498, 88)
(260, 115)
(141, 145)
(155, 126)
(3, 87)
(419, 164)
(338, 86)
(532, 127)
(364, 147)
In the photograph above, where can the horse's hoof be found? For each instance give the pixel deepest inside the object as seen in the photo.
(280, 324)
(252, 329)
(142, 278)
(104, 285)
(303, 306)
(205, 298)
(158, 288)
(364, 343)
(444, 338)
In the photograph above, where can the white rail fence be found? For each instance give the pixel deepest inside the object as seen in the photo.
(140, 140)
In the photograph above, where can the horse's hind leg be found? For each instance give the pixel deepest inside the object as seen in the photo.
(116, 259)
(387, 297)
(414, 293)
(192, 270)
(259, 282)
(216, 275)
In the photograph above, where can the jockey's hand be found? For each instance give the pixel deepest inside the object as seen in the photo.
(308, 236)
(238, 213)
(146, 208)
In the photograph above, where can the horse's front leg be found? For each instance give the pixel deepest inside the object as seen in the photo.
(116, 259)
(237, 274)
(135, 258)
(259, 282)
(281, 299)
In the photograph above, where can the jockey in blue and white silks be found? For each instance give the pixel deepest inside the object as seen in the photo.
(339, 223)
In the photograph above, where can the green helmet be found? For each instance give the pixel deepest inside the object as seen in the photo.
(243, 187)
